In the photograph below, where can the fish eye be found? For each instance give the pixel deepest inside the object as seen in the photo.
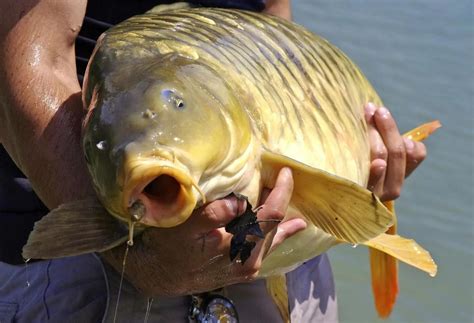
(173, 98)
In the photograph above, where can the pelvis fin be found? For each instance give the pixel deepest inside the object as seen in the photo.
(74, 228)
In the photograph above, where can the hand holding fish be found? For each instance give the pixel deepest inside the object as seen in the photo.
(393, 157)
(193, 257)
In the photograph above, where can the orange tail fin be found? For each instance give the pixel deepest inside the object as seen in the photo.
(424, 131)
(384, 268)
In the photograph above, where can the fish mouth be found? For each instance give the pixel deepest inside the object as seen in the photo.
(167, 193)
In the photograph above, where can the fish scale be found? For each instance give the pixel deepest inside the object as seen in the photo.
(286, 74)
(190, 105)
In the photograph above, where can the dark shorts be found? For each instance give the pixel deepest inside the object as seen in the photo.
(70, 289)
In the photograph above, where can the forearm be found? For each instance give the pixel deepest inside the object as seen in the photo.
(281, 8)
(40, 104)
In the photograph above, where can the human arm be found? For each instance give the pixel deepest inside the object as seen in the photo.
(280, 8)
(41, 109)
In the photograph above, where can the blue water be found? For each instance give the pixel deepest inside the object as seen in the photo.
(419, 55)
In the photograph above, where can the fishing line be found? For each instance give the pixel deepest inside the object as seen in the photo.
(148, 309)
(26, 272)
(136, 216)
(121, 282)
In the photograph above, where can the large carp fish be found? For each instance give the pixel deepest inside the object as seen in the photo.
(188, 105)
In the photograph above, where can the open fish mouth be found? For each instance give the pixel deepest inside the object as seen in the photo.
(165, 193)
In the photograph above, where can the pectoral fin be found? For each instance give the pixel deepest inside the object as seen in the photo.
(72, 229)
(406, 250)
(336, 205)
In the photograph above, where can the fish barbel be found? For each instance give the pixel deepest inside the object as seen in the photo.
(186, 106)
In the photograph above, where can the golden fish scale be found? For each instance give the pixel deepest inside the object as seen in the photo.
(304, 96)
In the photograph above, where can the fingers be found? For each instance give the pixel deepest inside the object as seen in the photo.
(269, 216)
(377, 176)
(215, 214)
(287, 229)
(396, 154)
(276, 204)
(389, 162)
(393, 157)
(378, 153)
(415, 154)
(204, 244)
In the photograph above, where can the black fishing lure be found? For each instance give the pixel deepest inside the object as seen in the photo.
(242, 226)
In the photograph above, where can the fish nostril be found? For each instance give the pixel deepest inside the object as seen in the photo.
(163, 190)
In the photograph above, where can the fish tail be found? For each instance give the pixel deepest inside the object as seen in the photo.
(276, 287)
(383, 267)
(384, 272)
(423, 131)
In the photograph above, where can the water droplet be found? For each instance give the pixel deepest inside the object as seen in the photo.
(102, 145)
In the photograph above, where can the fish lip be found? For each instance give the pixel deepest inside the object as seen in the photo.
(142, 172)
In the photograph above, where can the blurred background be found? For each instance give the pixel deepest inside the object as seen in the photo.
(419, 56)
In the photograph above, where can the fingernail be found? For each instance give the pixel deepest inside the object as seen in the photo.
(232, 205)
(384, 113)
(280, 230)
(409, 144)
(370, 108)
(286, 171)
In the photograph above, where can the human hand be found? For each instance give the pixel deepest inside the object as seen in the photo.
(194, 256)
(393, 157)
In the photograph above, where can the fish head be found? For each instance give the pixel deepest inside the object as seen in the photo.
(153, 130)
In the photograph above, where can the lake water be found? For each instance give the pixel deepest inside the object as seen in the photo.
(419, 56)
